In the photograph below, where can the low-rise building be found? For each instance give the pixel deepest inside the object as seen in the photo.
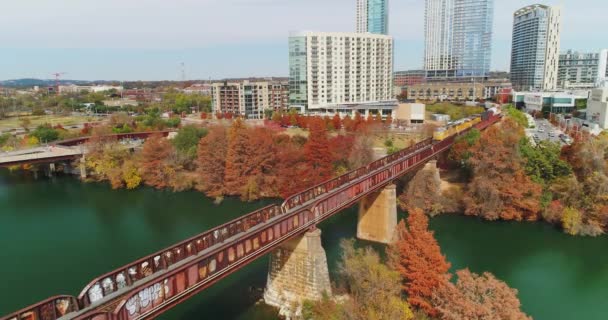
(410, 113)
(249, 99)
(456, 91)
(409, 77)
(597, 107)
(551, 102)
(78, 89)
(199, 88)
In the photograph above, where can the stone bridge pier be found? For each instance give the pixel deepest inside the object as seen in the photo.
(378, 216)
(297, 272)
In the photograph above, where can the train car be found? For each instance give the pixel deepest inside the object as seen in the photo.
(456, 127)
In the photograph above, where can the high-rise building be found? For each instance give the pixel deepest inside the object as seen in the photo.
(331, 71)
(372, 16)
(458, 38)
(535, 48)
(582, 70)
(472, 39)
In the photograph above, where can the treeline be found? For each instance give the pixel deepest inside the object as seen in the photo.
(250, 162)
(509, 178)
(414, 283)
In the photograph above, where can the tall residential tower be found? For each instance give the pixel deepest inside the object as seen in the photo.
(535, 48)
(340, 71)
(372, 16)
(458, 38)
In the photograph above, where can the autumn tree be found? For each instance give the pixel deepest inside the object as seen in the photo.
(317, 153)
(373, 288)
(500, 188)
(362, 152)
(212, 161)
(477, 297)
(260, 167)
(424, 192)
(417, 257)
(237, 154)
(155, 165)
(292, 167)
(337, 121)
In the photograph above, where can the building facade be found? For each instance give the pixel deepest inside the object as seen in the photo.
(372, 16)
(597, 108)
(458, 38)
(535, 48)
(582, 70)
(456, 91)
(550, 102)
(331, 71)
(409, 77)
(249, 99)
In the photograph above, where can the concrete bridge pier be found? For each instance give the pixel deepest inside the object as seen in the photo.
(83, 167)
(297, 272)
(378, 216)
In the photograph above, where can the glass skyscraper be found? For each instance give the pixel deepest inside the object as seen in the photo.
(372, 16)
(458, 38)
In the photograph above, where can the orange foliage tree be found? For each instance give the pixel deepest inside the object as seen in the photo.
(477, 297)
(417, 256)
(500, 188)
(156, 169)
(212, 161)
(237, 155)
(337, 122)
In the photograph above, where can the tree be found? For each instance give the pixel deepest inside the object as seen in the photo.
(212, 161)
(373, 286)
(374, 290)
(424, 192)
(25, 123)
(45, 133)
(477, 297)
(362, 152)
(317, 153)
(187, 139)
(291, 168)
(156, 169)
(572, 221)
(237, 155)
(417, 257)
(500, 188)
(337, 122)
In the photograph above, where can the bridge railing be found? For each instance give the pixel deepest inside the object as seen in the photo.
(51, 308)
(116, 136)
(332, 184)
(111, 282)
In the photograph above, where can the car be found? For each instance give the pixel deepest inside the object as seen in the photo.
(541, 130)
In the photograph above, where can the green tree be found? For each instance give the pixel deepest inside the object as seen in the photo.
(572, 221)
(45, 133)
(187, 139)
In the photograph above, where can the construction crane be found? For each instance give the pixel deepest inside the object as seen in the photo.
(57, 75)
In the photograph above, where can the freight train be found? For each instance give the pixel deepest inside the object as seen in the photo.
(460, 126)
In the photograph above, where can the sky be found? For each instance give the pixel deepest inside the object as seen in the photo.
(215, 39)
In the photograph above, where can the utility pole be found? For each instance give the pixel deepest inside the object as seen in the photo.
(57, 75)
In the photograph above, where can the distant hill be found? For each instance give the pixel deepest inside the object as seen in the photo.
(30, 82)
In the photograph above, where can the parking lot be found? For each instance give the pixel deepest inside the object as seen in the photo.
(545, 131)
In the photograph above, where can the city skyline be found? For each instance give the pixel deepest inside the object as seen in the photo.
(117, 40)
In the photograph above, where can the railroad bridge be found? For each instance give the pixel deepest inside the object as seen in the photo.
(146, 288)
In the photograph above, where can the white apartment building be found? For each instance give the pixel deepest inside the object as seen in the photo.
(535, 48)
(582, 70)
(361, 26)
(343, 72)
(438, 36)
(77, 89)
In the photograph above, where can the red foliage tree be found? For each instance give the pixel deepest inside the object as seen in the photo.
(155, 169)
(212, 161)
(292, 167)
(219, 115)
(417, 256)
(337, 122)
(348, 123)
(317, 153)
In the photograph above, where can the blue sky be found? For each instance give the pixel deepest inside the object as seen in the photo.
(148, 39)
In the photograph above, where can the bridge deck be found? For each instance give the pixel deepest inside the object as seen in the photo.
(38, 154)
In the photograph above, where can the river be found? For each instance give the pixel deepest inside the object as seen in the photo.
(58, 234)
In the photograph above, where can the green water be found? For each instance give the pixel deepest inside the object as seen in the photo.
(56, 235)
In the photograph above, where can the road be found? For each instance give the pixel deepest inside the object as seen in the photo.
(545, 131)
